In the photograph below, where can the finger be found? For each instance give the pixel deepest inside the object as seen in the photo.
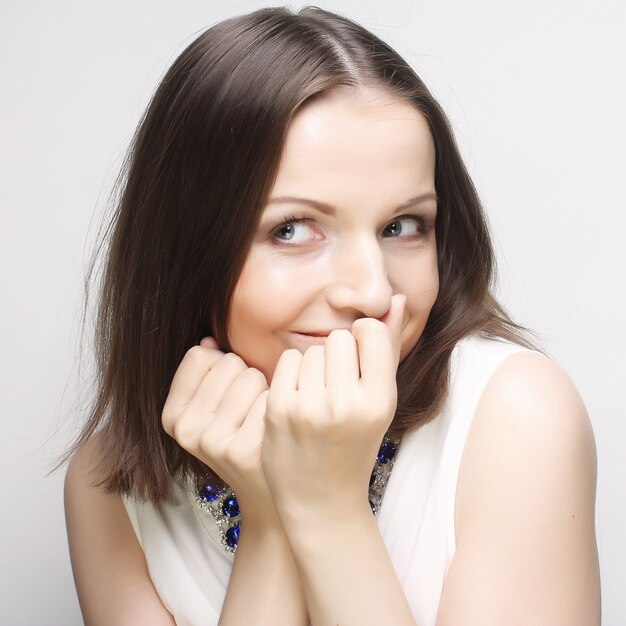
(379, 345)
(214, 386)
(196, 364)
(394, 320)
(285, 379)
(239, 399)
(341, 360)
(312, 372)
(253, 427)
(209, 342)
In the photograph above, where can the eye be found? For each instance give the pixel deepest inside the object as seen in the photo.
(293, 231)
(405, 226)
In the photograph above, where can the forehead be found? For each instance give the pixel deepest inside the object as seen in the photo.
(346, 141)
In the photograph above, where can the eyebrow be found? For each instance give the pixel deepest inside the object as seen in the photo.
(328, 209)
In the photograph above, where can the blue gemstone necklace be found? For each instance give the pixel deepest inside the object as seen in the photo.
(221, 502)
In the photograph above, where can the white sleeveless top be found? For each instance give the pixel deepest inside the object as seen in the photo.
(190, 568)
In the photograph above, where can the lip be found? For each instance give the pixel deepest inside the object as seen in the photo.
(318, 333)
(301, 341)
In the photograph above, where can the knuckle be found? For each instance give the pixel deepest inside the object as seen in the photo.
(257, 378)
(232, 360)
(215, 446)
(313, 351)
(196, 354)
(290, 358)
(185, 434)
(208, 444)
(312, 417)
(274, 413)
(277, 410)
(292, 352)
(341, 334)
(167, 421)
(232, 455)
(368, 324)
(342, 407)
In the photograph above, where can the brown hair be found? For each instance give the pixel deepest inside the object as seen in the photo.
(199, 171)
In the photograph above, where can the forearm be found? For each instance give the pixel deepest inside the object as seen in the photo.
(264, 587)
(347, 575)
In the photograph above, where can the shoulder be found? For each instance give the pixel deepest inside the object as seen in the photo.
(82, 473)
(530, 419)
(530, 400)
(109, 567)
(83, 463)
(525, 502)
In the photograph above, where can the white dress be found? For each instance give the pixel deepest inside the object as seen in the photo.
(190, 568)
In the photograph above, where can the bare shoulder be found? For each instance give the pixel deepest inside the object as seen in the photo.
(531, 434)
(531, 401)
(109, 568)
(82, 468)
(525, 504)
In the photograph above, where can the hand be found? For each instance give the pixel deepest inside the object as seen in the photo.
(215, 410)
(327, 413)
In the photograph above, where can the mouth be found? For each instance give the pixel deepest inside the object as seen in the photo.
(324, 332)
(302, 341)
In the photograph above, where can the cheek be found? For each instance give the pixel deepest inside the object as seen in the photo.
(270, 290)
(251, 311)
(418, 278)
(262, 305)
(422, 289)
(249, 327)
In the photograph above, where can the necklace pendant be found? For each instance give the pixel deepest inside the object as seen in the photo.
(222, 503)
(223, 506)
(381, 472)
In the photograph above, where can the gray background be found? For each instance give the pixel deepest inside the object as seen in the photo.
(535, 92)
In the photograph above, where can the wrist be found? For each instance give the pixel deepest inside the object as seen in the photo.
(266, 541)
(305, 528)
(260, 520)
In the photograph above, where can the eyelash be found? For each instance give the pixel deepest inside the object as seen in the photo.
(288, 220)
(423, 225)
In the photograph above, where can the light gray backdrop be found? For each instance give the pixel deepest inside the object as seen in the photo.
(536, 94)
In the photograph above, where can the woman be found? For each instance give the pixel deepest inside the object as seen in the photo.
(295, 321)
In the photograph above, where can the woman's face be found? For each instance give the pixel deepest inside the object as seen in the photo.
(350, 222)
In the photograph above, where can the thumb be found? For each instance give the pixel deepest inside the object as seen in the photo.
(209, 342)
(394, 320)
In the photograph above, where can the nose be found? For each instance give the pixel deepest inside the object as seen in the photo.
(359, 278)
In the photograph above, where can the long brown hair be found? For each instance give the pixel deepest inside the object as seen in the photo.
(198, 174)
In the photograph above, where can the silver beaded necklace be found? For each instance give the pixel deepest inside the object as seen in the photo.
(221, 502)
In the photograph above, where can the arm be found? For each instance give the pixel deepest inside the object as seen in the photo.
(526, 551)
(327, 413)
(346, 572)
(215, 410)
(109, 568)
(526, 548)
(264, 587)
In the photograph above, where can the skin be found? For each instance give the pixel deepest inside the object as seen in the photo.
(364, 157)
(292, 422)
(312, 373)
